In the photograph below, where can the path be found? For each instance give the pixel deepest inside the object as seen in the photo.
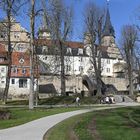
(35, 130)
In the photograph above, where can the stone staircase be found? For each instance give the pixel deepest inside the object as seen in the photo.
(119, 99)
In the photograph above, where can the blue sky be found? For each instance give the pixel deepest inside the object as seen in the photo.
(122, 12)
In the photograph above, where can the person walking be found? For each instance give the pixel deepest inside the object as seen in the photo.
(78, 101)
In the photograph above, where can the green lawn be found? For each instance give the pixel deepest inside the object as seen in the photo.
(63, 130)
(113, 124)
(23, 115)
(57, 100)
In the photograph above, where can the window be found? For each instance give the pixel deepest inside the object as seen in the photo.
(20, 47)
(3, 34)
(23, 71)
(108, 70)
(22, 83)
(45, 58)
(13, 81)
(68, 50)
(2, 69)
(108, 61)
(1, 59)
(68, 68)
(14, 69)
(80, 51)
(81, 59)
(16, 35)
(2, 82)
(80, 68)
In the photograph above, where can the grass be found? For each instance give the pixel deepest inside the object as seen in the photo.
(23, 115)
(56, 100)
(63, 130)
(113, 124)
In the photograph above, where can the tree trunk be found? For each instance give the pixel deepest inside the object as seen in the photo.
(31, 95)
(130, 76)
(63, 86)
(8, 75)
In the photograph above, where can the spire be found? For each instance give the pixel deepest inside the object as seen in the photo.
(45, 23)
(108, 28)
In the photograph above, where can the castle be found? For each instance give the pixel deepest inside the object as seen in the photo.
(77, 61)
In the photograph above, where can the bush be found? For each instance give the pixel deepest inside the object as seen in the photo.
(5, 114)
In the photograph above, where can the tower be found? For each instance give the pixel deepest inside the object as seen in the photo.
(44, 32)
(108, 37)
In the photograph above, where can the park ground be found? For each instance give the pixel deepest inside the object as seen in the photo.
(112, 124)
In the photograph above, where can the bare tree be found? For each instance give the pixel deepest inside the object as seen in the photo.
(10, 7)
(129, 38)
(94, 28)
(32, 32)
(34, 12)
(59, 24)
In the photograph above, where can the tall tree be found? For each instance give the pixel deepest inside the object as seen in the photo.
(129, 38)
(94, 28)
(10, 7)
(35, 10)
(59, 24)
(32, 32)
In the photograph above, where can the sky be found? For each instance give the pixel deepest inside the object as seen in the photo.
(122, 12)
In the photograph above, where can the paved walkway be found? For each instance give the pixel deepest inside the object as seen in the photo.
(35, 130)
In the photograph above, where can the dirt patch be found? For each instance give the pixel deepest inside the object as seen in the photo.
(72, 135)
(93, 129)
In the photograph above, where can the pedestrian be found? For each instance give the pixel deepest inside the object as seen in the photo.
(110, 100)
(123, 99)
(78, 101)
(107, 100)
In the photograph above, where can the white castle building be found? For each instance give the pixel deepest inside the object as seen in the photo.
(78, 61)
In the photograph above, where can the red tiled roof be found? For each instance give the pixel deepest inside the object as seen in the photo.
(71, 44)
(75, 44)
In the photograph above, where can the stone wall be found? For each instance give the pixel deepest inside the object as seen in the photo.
(119, 83)
(73, 83)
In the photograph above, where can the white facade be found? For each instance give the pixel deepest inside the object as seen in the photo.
(19, 86)
(79, 65)
(3, 71)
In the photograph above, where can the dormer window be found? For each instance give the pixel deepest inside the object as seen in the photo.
(44, 49)
(68, 50)
(80, 51)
